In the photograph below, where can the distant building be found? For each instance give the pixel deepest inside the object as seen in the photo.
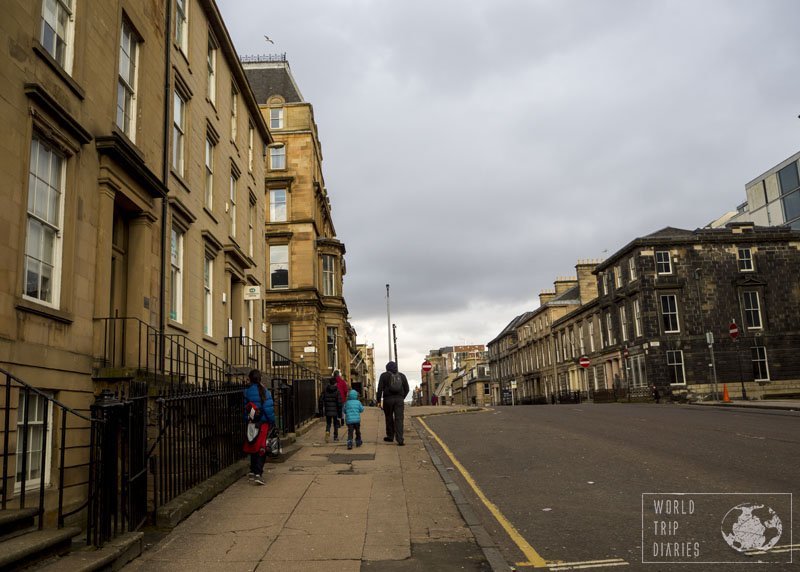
(444, 361)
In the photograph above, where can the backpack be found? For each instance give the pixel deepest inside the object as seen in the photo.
(396, 384)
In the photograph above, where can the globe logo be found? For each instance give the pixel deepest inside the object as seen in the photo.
(750, 526)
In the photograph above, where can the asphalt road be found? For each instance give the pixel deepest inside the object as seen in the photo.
(574, 479)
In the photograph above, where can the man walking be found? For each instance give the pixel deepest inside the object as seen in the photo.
(392, 391)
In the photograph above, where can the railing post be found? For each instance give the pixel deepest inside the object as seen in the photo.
(104, 506)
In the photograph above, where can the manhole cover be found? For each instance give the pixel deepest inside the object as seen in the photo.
(343, 459)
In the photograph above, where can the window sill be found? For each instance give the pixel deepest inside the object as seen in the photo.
(43, 54)
(210, 215)
(210, 340)
(177, 326)
(26, 305)
(177, 176)
(179, 49)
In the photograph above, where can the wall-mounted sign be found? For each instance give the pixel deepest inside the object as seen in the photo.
(310, 349)
(252, 293)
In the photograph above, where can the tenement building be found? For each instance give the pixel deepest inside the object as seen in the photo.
(677, 310)
(308, 318)
(133, 164)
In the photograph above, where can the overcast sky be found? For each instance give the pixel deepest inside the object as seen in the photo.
(474, 150)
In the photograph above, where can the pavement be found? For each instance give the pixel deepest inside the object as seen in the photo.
(375, 507)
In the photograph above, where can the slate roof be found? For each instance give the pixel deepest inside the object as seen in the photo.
(268, 79)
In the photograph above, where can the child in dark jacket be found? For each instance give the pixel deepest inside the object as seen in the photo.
(330, 405)
(352, 414)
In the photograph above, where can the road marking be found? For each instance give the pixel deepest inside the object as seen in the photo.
(531, 555)
(775, 549)
(556, 565)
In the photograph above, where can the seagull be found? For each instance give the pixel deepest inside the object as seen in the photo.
(267, 38)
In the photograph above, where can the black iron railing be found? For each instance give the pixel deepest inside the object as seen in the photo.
(26, 462)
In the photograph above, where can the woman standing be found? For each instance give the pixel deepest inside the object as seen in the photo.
(260, 396)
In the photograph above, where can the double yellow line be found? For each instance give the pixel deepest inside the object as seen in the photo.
(533, 557)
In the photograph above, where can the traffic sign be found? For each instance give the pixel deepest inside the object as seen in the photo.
(427, 366)
(733, 330)
(584, 361)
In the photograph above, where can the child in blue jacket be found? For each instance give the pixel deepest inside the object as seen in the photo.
(262, 398)
(352, 415)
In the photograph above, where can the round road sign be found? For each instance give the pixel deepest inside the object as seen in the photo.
(733, 330)
(584, 361)
(427, 366)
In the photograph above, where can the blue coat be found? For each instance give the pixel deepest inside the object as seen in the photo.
(352, 408)
(267, 407)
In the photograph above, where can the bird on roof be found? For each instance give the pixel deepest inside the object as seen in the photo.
(267, 38)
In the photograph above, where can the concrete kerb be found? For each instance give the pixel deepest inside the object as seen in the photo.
(482, 538)
(750, 405)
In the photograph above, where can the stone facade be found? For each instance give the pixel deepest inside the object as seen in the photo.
(303, 294)
(108, 212)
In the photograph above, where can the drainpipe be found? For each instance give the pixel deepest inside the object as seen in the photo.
(162, 324)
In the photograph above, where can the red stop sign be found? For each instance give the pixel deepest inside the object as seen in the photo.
(733, 330)
(427, 366)
(584, 361)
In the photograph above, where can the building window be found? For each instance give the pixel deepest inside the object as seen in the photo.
(279, 266)
(675, 367)
(637, 318)
(669, 314)
(632, 268)
(663, 262)
(178, 132)
(277, 157)
(277, 205)
(638, 371)
(788, 178)
(331, 338)
(234, 113)
(623, 323)
(276, 118)
(328, 275)
(251, 226)
(232, 205)
(618, 276)
(280, 344)
(211, 65)
(591, 334)
(486, 389)
(580, 339)
(127, 82)
(208, 295)
(250, 135)
(176, 276)
(609, 330)
(745, 260)
(43, 238)
(604, 283)
(752, 310)
(209, 174)
(760, 366)
(39, 409)
(57, 31)
(182, 26)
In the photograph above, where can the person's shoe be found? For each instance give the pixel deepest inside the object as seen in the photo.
(388, 439)
(335, 439)
(327, 436)
(401, 444)
(259, 480)
(349, 444)
(251, 476)
(358, 442)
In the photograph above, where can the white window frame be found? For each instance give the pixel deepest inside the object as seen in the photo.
(277, 345)
(277, 262)
(751, 305)
(637, 318)
(618, 276)
(662, 262)
(758, 354)
(33, 410)
(591, 335)
(128, 83)
(744, 258)
(178, 132)
(623, 322)
(208, 295)
(50, 225)
(610, 329)
(209, 167)
(211, 69)
(251, 225)
(580, 339)
(276, 118)
(182, 25)
(64, 9)
(328, 275)
(176, 274)
(234, 113)
(232, 203)
(274, 205)
(637, 370)
(277, 157)
(250, 136)
(673, 365)
(668, 312)
(332, 348)
(632, 268)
